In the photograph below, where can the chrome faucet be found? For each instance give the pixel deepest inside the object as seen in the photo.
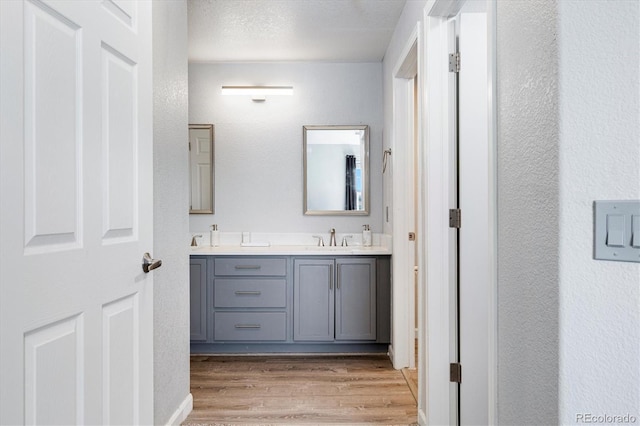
(194, 241)
(332, 237)
(320, 240)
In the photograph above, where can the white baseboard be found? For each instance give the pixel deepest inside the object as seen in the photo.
(182, 412)
(422, 418)
(392, 355)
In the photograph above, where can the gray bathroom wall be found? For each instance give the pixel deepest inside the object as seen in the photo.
(258, 145)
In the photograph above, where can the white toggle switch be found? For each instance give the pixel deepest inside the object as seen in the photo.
(635, 231)
(615, 230)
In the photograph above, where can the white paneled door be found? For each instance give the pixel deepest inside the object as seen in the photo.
(75, 212)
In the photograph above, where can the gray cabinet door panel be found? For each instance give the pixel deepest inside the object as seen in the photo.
(250, 293)
(250, 326)
(355, 299)
(198, 298)
(313, 306)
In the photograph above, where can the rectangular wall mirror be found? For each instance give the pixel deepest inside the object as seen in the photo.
(336, 166)
(201, 171)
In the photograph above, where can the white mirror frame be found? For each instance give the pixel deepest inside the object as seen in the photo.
(365, 172)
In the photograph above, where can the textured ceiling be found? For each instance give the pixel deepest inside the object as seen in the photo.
(291, 30)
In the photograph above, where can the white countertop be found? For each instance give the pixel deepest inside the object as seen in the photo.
(290, 250)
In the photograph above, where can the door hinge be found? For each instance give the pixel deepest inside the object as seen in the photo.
(455, 218)
(454, 62)
(189, 145)
(455, 372)
(412, 236)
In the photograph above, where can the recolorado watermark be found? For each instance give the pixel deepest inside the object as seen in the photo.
(590, 418)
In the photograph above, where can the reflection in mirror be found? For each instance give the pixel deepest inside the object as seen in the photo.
(201, 168)
(336, 162)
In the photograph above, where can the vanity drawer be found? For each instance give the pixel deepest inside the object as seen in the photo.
(250, 293)
(250, 266)
(250, 326)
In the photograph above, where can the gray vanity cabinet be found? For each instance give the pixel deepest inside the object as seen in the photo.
(198, 298)
(334, 299)
(290, 303)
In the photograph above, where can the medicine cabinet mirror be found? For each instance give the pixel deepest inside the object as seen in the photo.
(201, 175)
(336, 167)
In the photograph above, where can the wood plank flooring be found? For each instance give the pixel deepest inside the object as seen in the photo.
(411, 375)
(301, 390)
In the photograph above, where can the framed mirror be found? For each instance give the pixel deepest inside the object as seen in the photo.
(201, 175)
(336, 170)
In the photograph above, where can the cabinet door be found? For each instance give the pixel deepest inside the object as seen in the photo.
(356, 299)
(198, 293)
(313, 307)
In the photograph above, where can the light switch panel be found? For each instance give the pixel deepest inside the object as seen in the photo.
(635, 231)
(617, 230)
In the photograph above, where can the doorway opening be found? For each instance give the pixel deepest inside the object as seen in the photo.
(406, 200)
(411, 371)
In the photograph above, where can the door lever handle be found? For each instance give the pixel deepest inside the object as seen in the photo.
(149, 264)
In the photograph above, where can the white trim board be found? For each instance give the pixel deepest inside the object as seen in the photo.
(435, 404)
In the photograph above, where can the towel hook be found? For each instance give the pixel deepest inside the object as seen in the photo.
(385, 157)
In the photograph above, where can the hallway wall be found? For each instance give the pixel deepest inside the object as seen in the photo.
(568, 132)
(528, 210)
(599, 94)
(171, 201)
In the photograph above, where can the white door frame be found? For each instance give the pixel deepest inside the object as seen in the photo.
(435, 405)
(404, 203)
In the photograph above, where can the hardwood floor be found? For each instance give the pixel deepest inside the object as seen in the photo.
(285, 390)
(411, 375)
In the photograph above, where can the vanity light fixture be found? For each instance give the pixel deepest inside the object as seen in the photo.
(257, 93)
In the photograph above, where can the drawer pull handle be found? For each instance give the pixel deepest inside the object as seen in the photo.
(247, 325)
(247, 266)
(248, 293)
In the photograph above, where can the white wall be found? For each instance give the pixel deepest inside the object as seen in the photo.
(568, 133)
(258, 145)
(171, 198)
(411, 15)
(528, 209)
(599, 94)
